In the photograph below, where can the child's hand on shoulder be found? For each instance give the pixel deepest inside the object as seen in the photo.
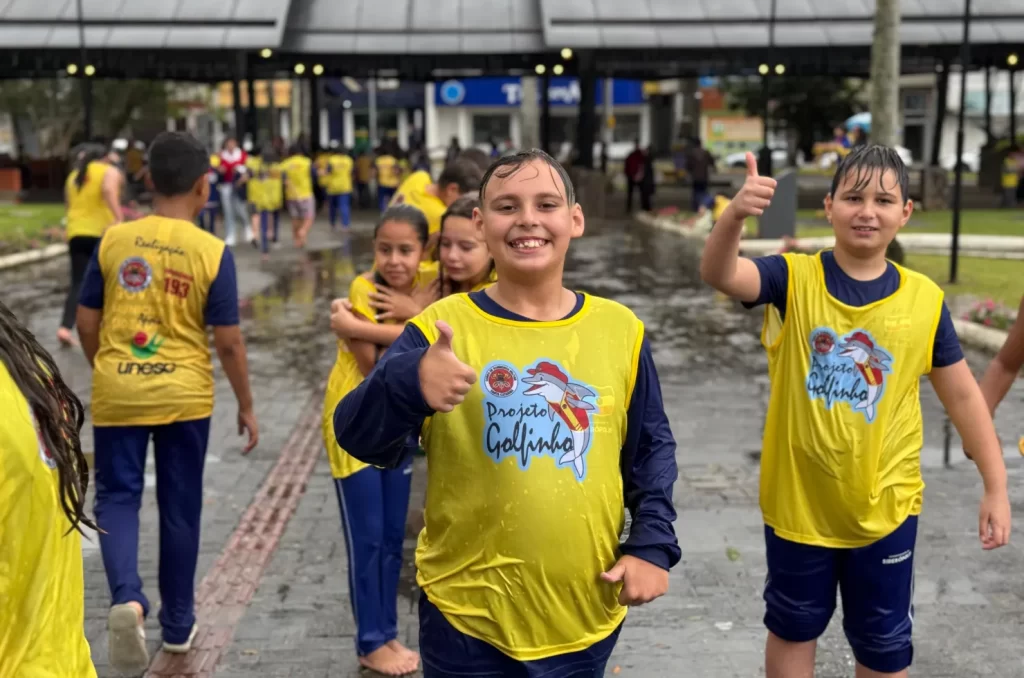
(444, 379)
(755, 194)
(642, 581)
(342, 318)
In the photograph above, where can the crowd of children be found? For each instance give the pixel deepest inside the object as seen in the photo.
(538, 407)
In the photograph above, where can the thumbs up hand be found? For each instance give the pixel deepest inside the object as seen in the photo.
(444, 379)
(756, 193)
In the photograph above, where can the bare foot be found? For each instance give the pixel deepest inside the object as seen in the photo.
(65, 338)
(386, 661)
(403, 650)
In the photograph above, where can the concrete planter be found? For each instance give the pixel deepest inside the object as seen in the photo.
(32, 256)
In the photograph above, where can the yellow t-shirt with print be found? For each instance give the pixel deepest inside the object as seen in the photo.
(255, 184)
(525, 471)
(88, 212)
(841, 457)
(154, 366)
(346, 375)
(298, 176)
(42, 593)
(338, 178)
(389, 174)
(273, 188)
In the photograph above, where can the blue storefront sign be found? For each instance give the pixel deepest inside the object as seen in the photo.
(507, 91)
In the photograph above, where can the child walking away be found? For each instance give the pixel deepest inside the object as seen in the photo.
(388, 173)
(272, 189)
(43, 485)
(208, 215)
(298, 191)
(433, 198)
(546, 417)
(337, 182)
(152, 288)
(374, 501)
(848, 336)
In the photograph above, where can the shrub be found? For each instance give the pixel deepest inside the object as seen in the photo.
(991, 314)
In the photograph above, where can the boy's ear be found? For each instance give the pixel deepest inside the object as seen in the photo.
(577, 221)
(828, 207)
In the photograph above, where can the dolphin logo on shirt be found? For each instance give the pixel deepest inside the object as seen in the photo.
(565, 400)
(872, 365)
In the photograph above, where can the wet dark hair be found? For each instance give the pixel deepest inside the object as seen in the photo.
(58, 411)
(463, 207)
(463, 173)
(87, 154)
(863, 161)
(509, 165)
(297, 149)
(475, 156)
(176, 162)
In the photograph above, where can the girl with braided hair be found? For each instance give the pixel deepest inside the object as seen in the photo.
(43, 480)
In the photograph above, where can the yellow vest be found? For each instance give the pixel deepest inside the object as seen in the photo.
(255, 185)
(1011, 172)
(42, 610)
(524, 501)
(153, 365)
(841, 461)
(88, 213)
(298, 178)
(273, 188)
(338, 179)
(389, 175)
(346, 376)
(413, 191)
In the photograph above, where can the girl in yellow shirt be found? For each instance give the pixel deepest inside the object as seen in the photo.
(43, 485)
(93, 197)
(374, 501)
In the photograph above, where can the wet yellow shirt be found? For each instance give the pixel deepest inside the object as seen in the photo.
(338, 180)
(88, 213)
(298, 175)
(153, 366)
(42, 596)
(841, 461)
(254, 186)
(524, 501)
(346, 376)
(389, 174)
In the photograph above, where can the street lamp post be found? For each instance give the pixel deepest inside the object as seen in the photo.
(86, 81)
(965, 64)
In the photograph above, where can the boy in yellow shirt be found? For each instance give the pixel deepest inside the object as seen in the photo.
(546, 422)
(434, 197)
(337, 182)
(849, 335)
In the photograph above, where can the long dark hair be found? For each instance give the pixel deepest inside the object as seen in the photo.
(462, 207)
(87, 154)
(58, 412)
(406, 214)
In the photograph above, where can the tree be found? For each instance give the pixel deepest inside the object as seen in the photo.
(885, 72)
(808, 107)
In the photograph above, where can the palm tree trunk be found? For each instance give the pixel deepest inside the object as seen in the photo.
(885, 72)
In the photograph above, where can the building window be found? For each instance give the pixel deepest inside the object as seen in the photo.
(491, 127)
(627, 127)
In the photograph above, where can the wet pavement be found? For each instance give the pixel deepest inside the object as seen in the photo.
(969, 605)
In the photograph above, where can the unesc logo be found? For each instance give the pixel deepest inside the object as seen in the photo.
(452, 92)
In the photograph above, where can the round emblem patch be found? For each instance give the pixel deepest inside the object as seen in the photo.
(135, 274)
(500, 381)
(823, 343)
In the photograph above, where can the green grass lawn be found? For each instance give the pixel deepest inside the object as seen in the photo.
(973, 222)
(997, 279)
(28, 221)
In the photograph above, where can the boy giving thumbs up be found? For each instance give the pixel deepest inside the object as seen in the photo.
(546, 422)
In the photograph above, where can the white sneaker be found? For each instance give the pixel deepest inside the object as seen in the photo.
(127, 640)
(230, 242)
(182, 648)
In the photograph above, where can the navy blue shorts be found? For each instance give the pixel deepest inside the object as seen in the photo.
(877, 587)
(449, 653)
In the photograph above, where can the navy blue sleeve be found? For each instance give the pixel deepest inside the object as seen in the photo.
(649, 470)
(91, 292)
(774, 281)
(380, 419)
(947, 350)
(222, 301)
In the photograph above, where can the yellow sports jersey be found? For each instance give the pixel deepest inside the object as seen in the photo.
(88, 213)
(345, 375)
(1011, 173)
(389, 174)
(298, 175)
(153, 365)
(42, 595)
(254, 187)
(338, 179)
(841, 462)
(524, 501)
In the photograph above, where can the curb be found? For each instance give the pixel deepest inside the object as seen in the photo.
(31, 256)
(970, 333)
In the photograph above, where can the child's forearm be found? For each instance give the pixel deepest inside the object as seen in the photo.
(381, 335)
(722, 250)
(973, 422)
(996, 383)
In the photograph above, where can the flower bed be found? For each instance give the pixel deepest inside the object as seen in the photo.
(991, 314)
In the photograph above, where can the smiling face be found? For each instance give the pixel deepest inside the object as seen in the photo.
(527, 220)
(396, 253)
(867, 211)
(463, 252)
